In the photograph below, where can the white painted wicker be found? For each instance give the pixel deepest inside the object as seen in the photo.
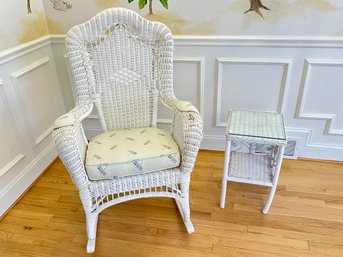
(251, 127)
(250, 168)
(122, 64)
(256, 127)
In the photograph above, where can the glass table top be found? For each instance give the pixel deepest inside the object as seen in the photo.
(256, 124)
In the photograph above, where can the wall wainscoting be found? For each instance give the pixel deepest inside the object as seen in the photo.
(300, 77)
(30, 100)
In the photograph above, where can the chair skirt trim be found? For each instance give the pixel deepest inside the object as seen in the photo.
(102, 203)
(158, 181)
(174, 187)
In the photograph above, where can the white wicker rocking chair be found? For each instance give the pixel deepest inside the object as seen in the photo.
(122, 64)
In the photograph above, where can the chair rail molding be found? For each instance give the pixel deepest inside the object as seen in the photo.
(301, 113)
(259, 41)
(25, 49)
(285, 80)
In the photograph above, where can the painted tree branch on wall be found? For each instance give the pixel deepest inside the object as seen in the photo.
(143, 3)
(256, 6)
(60, 5)
(28, 5)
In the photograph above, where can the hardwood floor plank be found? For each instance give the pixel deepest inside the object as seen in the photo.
(306, 217)
(237, 252)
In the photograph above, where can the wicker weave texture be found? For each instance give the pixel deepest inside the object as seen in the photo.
(250, 168)
(116, 58)
(122, 64)
(258, 127)
(254, 128)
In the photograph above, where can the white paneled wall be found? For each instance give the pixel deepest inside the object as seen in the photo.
(328, 94)
(192, 89)
(30, 100)
(239, 80)
(300, 77)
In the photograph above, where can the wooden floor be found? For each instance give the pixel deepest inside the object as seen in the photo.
(306, 218)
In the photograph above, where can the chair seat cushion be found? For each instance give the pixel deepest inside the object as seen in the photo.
(129, 152)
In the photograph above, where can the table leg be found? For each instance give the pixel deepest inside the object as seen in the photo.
(275, 180)
(225, 171)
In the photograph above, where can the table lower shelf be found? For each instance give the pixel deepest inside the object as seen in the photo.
(250, 168)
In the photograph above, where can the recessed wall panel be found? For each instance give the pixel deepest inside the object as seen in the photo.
(37, 98)
(323, 95)
(10, 154)
(188, 84)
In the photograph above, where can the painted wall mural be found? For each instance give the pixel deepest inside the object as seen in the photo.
(21, 23)
(143, 3)
(220, 17)
(28, 4)
(62, 5)
(59, 5)
(255, 6)
(311, 18)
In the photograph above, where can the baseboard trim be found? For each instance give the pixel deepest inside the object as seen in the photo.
(24, 180)
(213, 142)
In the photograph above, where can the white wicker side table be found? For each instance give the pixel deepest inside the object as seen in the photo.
(251, 167)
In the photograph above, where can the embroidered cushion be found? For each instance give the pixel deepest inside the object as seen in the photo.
(129, 152)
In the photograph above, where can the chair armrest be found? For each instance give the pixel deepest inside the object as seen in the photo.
(187, 131)
(71, 143)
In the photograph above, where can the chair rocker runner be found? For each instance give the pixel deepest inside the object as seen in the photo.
(122, 64)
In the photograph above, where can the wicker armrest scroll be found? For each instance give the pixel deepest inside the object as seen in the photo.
(187, 132)
(71, 143)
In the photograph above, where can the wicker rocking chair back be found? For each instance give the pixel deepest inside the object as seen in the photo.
(122, 64)
(125, 58)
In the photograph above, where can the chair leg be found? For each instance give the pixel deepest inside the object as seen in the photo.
(183, 206)
(92, 222)
(270, 200)
(91, 219)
